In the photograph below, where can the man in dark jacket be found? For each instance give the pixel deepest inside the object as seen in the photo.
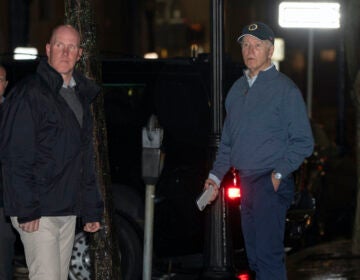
(47, 155)
(7, 235)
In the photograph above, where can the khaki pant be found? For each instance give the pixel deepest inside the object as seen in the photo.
(48, 250)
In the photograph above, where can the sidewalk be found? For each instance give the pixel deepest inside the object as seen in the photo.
(328, 261)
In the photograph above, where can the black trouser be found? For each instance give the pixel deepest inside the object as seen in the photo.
(7, 243)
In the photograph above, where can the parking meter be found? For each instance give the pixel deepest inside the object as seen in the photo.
(152, 162)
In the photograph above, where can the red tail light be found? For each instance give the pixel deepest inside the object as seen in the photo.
(233, 193)
(231, 184)
(243, 276)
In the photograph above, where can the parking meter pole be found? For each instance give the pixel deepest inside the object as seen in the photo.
(218, 263)
(148, 231)
(151, 168)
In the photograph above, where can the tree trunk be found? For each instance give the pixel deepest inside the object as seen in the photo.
(103, 246)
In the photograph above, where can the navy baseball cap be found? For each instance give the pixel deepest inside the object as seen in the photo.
(259, 30)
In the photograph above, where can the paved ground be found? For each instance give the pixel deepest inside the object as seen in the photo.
(328, 261)
(332, 260)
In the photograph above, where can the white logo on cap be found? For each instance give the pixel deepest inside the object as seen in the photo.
(253, 27)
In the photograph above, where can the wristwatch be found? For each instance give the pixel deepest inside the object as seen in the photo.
(277, 175)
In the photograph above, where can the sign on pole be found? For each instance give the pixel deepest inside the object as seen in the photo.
(309, 15)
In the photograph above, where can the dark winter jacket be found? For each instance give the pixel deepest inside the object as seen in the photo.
(1, 190)
(47, 158)
(1, 181)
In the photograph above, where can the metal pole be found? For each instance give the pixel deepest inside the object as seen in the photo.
(218, 262)
(218, 251)
(148, 231)
(310, 72)
(217, 53)
(340, 139)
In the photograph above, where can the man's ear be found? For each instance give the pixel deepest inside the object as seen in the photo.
(47, 48)
(271, 51)
(80, 54)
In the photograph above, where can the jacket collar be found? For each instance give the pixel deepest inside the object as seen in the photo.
(54, 81)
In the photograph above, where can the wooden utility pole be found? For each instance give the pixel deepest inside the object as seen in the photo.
(103, 246)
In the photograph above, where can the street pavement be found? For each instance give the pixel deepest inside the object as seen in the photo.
(332, 260)
(328, 261)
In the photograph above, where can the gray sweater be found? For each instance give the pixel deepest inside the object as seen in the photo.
(266, 127)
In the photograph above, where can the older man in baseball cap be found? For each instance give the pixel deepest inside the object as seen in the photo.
(266, 136)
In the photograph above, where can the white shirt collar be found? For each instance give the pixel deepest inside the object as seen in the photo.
(72, 83)
(252, 80)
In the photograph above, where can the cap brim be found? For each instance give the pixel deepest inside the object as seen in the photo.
(243, 35)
